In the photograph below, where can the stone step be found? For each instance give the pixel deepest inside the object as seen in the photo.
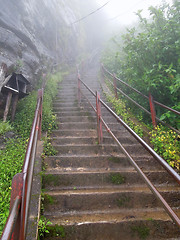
(77, 125)
(82, 149)
(120, 134)
(93, 117)
(90, 140)
(71, 113)
(71, 119)
(53, 179)
(89, 125)
(103, 161)
(74, 133)
(117, 225)
(99, 200)
(67, 109)
(65, 104)
(91, 191)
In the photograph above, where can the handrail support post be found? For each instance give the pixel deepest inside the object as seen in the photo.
(40, 96)
(115, 85)
(99, 122)
(153, 111)
(79, 90)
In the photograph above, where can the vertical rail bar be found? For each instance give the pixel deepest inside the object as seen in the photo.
(79, 90)
(153, 112)
(115, 85)
(40, 95)
(99, 122)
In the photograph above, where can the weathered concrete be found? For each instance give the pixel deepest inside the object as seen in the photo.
(32, 230)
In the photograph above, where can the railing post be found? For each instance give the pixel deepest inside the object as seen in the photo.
(115, 85)
(99, 122)
(153, 112)
(40, 96)
(79, 90)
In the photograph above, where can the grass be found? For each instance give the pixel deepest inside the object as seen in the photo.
(116, 178)
(115, 159)
(12, 156)
(5, 127)
(123, 201)
(51, 179)
(141, 230)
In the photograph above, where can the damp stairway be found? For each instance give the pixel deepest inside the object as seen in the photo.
(91, 190)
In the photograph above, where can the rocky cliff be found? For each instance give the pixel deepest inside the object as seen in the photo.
(34, 33)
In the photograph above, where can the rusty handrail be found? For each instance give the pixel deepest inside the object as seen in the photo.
(23, 192)
(11, 222)
(145, 110)
(135, 90)
(173, 173)
(166, 206)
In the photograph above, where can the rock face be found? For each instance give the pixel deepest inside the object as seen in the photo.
(34, 32)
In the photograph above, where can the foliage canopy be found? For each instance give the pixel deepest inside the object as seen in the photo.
(148, 57)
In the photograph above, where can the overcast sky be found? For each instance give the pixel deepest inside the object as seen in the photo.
(123, 11)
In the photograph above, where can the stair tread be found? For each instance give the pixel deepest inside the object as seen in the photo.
(81, 217)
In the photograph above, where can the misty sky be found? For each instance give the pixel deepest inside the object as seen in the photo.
(123, 10)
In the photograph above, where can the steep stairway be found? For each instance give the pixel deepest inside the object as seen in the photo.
(91, 190)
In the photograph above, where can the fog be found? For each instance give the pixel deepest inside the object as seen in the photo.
(123, 12)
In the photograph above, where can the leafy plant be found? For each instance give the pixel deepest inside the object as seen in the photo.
(142, 231)
(5, 127)
(166, 143)
(121, 110)
(48, 149)
(57, 231)
(148, 59)
(12, 158)
(117, 178)
(43, 227)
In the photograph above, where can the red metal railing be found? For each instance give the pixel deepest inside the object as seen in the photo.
(100, 120)
(152, 102)
(16, 224)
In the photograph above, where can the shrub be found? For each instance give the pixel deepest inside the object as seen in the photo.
(166, 143)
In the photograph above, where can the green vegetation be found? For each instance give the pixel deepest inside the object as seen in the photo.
(5, 127)
(148, 58)
(121, 110)
(141, 230)
(12, 157)
(48, 199)
(56, 231)
(43, 227)
(116, 178)
(115, 159)
(166, 143)
(51, 179)
(121, 202)
(48, 149)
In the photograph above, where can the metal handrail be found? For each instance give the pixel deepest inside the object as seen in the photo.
(166, 206)
(145, 110)
(135, 90)
(16, 224)
(172, 172)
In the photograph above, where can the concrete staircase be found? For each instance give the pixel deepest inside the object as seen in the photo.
(91, 190)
